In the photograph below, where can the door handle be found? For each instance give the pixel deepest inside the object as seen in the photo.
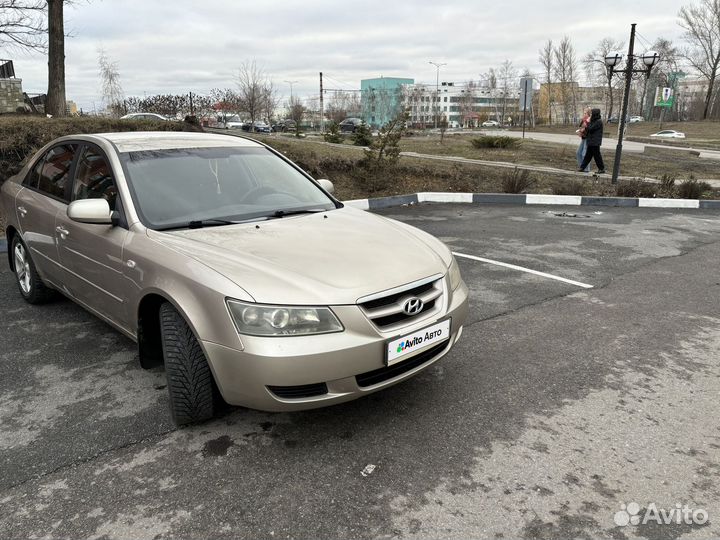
(62, 230)
(22, 210)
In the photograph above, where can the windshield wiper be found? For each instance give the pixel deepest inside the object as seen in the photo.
(283, 213)
(200, 223)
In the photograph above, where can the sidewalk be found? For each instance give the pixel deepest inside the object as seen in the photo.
(536, 168)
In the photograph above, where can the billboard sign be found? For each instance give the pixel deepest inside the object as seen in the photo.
(664, 97)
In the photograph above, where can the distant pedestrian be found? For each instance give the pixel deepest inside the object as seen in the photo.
(593, 139)
(582, 133)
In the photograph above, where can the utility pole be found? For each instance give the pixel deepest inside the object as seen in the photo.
(322, 109)
(437, 88)
(192, 108)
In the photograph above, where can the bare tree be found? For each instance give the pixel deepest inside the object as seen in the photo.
(466, 102)
(23, 24)
(296, 111)
(226, 101)
(597, 72)
(702, 31)
(506, 76)
(252, 85)
(547, 59)
(663, 73)
(342, 105)
(112, 91)
(565, 73)
(270, 100)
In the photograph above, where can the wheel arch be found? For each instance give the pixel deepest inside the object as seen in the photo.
(148, 333)
(10, 234)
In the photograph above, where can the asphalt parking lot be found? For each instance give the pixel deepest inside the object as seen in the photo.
(561, 403)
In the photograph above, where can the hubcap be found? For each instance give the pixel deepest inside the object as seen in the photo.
(22, 268)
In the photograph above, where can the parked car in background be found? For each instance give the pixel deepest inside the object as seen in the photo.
(233, 267)
(491, 123)
(233, 122)
(285, 125)
(669, 134)
(349, 125)
(636, 119)
(257, 127)
(145, 116)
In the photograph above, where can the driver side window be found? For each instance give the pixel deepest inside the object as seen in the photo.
(93, 178)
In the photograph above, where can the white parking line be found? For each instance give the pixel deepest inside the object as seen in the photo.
(523, 269)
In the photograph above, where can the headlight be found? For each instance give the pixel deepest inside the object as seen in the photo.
(259, 320)
(454, 275)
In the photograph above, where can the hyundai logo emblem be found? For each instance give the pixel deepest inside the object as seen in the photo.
(412, 306)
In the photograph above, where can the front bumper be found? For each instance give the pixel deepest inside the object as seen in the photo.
(349, 364)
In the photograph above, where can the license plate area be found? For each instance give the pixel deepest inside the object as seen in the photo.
(406, 346)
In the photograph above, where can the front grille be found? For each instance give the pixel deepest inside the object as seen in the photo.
(301, 391)
(386, 312)
(383, 374)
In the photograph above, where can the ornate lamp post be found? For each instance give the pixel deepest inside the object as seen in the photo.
(642, 64)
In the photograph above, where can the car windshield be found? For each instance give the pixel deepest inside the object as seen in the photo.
(177, 187)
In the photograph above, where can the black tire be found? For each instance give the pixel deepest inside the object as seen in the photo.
(31, 286)
(194, 396)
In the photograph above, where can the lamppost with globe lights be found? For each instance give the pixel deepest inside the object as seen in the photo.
(646, 62)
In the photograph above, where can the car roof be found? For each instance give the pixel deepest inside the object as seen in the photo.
(135, 141)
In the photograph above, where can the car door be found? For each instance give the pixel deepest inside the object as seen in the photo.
(45, 194)
(92, 253)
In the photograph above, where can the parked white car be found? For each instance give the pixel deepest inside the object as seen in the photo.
(491, 123)
(636, 119)
(669, 134)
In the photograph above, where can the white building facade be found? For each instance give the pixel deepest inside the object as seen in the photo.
(461, 105)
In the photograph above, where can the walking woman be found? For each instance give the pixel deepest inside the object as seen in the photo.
(593, 140)
(581, 131)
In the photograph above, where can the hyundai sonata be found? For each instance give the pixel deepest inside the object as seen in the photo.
(231, 266)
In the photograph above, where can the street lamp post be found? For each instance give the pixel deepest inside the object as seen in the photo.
(291, 83)
(649, 59)
(437, 88)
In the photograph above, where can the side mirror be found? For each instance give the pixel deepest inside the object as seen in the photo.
(327, 185)
(95, 211)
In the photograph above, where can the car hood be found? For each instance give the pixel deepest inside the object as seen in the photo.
(329, 258)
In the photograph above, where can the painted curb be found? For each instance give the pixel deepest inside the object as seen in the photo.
(523, 199)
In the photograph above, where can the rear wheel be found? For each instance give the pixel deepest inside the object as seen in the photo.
(194, 397)
(31, 286)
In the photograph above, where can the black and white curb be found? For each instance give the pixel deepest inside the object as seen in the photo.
(505, 198)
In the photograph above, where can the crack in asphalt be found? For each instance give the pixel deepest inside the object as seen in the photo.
(89, 459)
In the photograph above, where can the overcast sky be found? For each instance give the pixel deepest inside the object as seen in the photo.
(176, 46)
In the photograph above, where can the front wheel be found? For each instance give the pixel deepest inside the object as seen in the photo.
(31, 286)
(194, 397)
